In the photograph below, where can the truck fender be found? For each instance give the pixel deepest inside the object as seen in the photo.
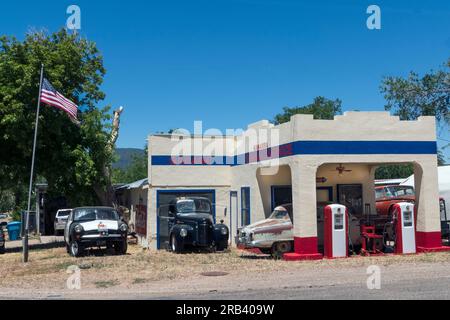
(217, 232)
(176, 230)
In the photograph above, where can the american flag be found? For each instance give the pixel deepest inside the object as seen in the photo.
(53, 98)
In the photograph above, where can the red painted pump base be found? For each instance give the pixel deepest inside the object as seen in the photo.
(430, 242)
(433, 249)
(305, 249)
(292, 256)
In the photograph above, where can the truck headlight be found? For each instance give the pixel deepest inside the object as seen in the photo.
(123, 227)
(183, 233)
(78, 228)
(224, 231)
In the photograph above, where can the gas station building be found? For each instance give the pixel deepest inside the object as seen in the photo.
(303, 162)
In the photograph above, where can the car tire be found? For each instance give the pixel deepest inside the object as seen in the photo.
(75, 248)
(2, 249)
(280, 248)
(121, 247)
(221, 247)
(175, 244)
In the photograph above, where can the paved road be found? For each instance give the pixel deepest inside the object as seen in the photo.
(398, 281)
(435, 289)
(422, 281)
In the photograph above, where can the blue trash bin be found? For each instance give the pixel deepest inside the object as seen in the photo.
(14, 230)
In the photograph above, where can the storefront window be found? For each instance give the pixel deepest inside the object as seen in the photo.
(245, 206)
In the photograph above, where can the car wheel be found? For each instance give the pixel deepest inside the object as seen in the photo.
(2, 249)
(121, 247)
(175, 244)
(280, 248)
(75, 248)
(221, 247)
(213, 248)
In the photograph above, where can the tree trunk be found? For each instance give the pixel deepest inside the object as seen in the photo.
(106, 193)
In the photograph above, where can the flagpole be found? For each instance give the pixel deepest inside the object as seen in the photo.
(27, 217)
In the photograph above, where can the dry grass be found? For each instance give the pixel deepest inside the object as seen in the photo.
(47, 268)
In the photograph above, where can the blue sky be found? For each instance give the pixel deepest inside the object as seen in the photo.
(230, 63)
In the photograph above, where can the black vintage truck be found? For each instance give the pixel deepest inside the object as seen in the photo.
(191, 224)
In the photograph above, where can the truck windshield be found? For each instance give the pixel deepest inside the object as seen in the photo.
(193, 205)
(399, 191)
(90, 214)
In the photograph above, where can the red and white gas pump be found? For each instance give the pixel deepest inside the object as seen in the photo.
(404, 225)
(335, 236)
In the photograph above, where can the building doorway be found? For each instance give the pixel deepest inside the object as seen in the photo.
(351, 196)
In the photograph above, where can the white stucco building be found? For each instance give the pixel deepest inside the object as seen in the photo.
(305, 161)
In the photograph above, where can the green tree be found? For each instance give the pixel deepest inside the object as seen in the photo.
(71, 159)
(321, 108)
(415, 96)
(394, 171)
(6, 201)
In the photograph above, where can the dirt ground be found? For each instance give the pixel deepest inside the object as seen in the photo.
(164, 272)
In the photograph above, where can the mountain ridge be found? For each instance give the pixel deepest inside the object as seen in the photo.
(125, 157)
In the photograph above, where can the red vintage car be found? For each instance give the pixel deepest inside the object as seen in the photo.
(387, 196)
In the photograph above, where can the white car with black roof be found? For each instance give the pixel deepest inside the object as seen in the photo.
(89, 227)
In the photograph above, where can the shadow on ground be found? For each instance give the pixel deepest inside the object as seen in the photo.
(37, 246)
(257, 257)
